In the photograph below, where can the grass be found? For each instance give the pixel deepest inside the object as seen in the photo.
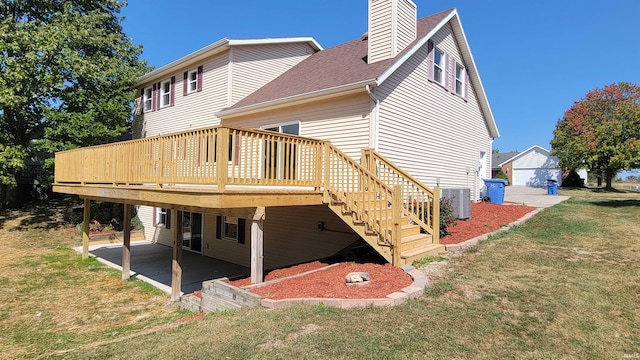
(562, 285)
(52, 300)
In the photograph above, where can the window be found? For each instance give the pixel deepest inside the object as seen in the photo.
(165, 93)
(230, 228)
(460, 80)
(162, 218)
(148, 98)
(438, 66)
(192, 81)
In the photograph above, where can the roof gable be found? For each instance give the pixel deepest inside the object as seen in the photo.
(218, 47)
(519, 155)
(344, 67)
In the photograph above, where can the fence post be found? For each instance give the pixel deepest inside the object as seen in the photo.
(222, 157)
(435, 224)
(160, 164)
(396, 232)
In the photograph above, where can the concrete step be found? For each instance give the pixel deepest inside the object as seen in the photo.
(409, 256)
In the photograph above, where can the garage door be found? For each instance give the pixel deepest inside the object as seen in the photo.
(535, 177)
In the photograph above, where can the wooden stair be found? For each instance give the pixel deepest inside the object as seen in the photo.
(414, 244)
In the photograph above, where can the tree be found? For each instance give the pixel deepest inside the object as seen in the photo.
(67, 75)
(601, 132)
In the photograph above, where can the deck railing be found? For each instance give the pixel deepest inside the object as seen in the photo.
(362, 193)
(420, 203)
(213, 156)
(376, 191)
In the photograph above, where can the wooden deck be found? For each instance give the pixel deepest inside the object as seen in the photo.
(245, 170)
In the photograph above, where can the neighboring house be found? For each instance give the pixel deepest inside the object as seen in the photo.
(408, 89)
(532, 167)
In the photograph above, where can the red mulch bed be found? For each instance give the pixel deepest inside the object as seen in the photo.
(330, 283)
(485, 218)
(385, 279)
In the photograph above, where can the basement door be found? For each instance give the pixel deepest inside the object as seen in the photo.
(280, 159)
(192, 231)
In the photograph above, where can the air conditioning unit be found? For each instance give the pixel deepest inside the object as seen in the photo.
(460, 201)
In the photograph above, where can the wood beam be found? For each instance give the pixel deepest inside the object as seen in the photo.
(176, 263)
(86, 217)
(126, 243)
(257, 246)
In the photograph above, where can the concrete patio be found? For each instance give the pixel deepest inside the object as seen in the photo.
(151, 263)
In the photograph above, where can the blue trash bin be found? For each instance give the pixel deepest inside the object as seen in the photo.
(495, 190)
(552, 187)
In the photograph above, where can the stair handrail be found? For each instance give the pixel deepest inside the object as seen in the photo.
(415, 195)
(342, 187)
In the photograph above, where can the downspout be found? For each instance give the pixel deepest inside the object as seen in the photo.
(374, 122)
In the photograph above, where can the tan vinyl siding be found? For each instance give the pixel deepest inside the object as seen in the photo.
(406, 17)
(254, 66)
(428, 131)
(392, 26)
(344, 121)
(291, 235)
(222, 84)
(380, 30)
(197, 109)
(224, 249)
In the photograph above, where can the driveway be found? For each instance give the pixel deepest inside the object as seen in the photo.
(532, 196)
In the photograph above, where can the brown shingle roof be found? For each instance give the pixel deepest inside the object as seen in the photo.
(340, 65)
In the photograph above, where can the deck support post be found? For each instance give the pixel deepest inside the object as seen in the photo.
(176, 264)
(86, 217)
(396, 232)
(257, 246)
(126, 243)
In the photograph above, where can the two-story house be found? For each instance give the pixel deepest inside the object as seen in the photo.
(351, 142)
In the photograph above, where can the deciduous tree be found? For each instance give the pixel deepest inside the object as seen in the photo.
(601, 132)
(67, 72)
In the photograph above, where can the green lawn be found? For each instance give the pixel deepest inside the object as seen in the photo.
(566, 284)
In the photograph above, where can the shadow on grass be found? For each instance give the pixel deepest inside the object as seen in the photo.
(617, 203)
(44, 215)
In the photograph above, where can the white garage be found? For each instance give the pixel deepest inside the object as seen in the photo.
(532, 167)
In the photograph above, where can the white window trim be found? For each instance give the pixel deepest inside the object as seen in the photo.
(163, 93)
(280, 125)
(148, 99)
(224, 228)
(190, 81)
(462, 80)
(441, 67)
(159, 214)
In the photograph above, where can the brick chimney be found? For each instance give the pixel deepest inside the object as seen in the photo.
(392, 27)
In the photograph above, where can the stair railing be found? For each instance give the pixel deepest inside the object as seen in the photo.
(370, 199)
(420, 203)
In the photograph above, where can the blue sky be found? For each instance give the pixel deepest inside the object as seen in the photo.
(535, 58)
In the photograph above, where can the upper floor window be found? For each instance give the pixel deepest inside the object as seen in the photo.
(438, 66)
(165, 93)
(460, 80)
(148, 98)
(192, 81)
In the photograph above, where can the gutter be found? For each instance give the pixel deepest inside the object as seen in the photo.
(297, 99)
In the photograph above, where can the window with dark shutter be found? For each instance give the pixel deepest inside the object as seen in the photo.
(200, 78)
